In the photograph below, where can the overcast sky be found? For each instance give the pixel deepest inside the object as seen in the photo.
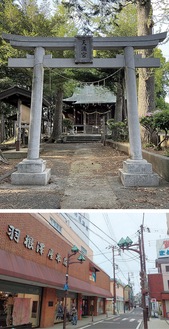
(117, 224)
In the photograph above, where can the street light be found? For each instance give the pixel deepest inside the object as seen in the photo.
(127, 244)
(80, 259)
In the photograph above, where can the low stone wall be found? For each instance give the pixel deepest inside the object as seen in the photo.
(160, 164)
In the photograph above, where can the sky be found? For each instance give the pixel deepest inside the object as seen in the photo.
(111, 226)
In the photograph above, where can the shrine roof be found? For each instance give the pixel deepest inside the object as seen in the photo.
(91, 94)
(13, 94)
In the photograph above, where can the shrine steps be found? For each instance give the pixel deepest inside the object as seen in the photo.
(81, 138)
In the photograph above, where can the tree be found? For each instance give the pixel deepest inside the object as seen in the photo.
(157, 122)
(148, 123)
(161, 122)
(161, 81)
(109, 10)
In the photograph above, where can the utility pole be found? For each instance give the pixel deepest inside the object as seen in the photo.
(143, 276)
(113, 248)
(127, 244)
(114, 280)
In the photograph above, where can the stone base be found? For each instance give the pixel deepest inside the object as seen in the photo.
(31, 172)
(138, 173)
(32, 166)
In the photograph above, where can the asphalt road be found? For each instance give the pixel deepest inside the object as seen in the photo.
(125, 321)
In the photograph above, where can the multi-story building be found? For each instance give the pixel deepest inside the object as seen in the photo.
(159, 282)
(33, 270)
(79, 223)
(73, 226)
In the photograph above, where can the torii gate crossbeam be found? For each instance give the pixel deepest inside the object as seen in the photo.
(136, 171)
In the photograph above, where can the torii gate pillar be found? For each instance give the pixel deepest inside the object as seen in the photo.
(136, 171)
(32, 170)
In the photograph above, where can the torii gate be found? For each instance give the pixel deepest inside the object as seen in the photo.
(32, 171)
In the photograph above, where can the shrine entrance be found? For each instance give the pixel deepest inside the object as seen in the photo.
(136, 171)
(86, 107)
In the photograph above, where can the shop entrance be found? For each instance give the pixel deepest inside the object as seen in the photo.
(19, 304)
(84, 306)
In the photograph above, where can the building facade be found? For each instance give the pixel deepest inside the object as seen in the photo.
(159, 282)
(73, 226)
(79, 223)
(33, 268)
(119, 297)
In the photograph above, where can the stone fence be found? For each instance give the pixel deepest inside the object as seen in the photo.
(160, 163)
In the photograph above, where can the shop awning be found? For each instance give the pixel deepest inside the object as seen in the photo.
(15, 268)
(165, 296)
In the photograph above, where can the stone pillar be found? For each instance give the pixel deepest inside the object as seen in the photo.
(133, 118)
(136, 171)
(32, 171)
(36, 105)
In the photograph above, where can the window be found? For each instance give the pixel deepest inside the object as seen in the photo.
(167, 268)
(83, 250)
(55, 225)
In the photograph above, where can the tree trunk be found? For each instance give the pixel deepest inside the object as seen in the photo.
(146, 77)
(119, 103)
(120, 108)
(2, 130)
(146, 82)
(57, 117)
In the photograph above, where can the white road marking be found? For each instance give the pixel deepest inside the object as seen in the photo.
(97, 322)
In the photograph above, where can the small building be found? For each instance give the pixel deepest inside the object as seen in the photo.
(119, 297)
(17, 125)
(87, 106)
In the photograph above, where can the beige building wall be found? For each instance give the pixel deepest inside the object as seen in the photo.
(55, 219)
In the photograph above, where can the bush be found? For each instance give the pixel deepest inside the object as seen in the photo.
(155, 123)
(68, 124)
(119, 130)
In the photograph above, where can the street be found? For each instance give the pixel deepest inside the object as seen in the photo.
(130, 320)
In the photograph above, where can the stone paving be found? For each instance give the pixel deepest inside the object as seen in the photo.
(84, 176)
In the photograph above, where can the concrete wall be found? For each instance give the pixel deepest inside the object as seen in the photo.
(160, 164)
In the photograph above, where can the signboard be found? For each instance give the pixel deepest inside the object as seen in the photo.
(162, 248)
(83, 49)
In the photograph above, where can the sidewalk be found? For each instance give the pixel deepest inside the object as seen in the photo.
(157, 323)
(84, 322)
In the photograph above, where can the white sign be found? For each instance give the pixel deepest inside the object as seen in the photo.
(162, 248)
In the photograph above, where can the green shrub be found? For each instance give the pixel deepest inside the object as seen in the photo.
(119, 130)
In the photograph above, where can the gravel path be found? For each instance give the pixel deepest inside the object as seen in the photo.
(84, 176)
